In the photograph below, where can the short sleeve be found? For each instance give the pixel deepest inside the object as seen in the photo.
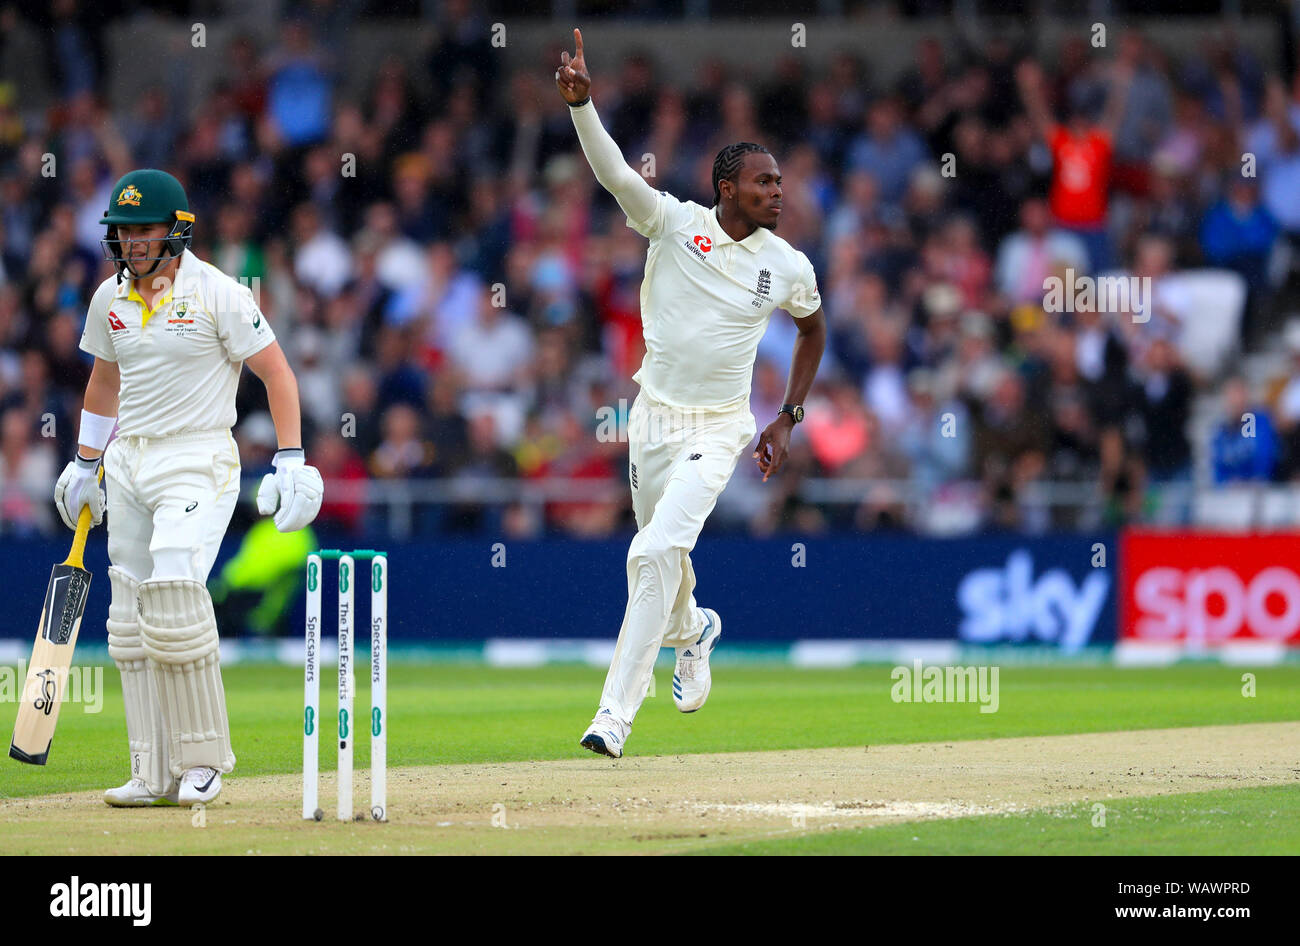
(669, 214)
(243, 328)
(96, 336)
(805, 299)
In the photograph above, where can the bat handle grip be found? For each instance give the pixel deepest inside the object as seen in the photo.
(78, 551)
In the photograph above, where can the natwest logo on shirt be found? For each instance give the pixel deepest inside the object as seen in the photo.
(115, 323)
(699, 247)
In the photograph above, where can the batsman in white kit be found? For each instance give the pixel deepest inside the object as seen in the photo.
(713, 277)
(170, 334)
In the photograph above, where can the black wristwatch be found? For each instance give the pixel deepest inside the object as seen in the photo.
(794, 410)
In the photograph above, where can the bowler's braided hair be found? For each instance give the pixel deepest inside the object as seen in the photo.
(726, 166)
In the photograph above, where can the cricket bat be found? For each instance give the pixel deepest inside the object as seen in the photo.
(56, 636)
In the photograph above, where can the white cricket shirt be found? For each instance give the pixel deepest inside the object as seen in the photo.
(705, 304)
(179, 363)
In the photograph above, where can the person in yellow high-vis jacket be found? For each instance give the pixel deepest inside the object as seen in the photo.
(255, 588)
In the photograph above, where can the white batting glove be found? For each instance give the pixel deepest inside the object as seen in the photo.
(78, 486)
(293, 492)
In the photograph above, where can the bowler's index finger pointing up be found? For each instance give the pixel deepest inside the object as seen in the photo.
(577, 43)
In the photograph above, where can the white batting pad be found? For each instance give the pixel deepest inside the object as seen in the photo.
(145, 734)
(179, 632)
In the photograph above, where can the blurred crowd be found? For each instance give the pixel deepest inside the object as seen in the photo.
(460, 299)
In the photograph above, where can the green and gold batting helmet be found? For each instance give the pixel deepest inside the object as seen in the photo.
(147, 196)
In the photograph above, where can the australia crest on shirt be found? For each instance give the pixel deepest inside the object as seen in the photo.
(181, 322)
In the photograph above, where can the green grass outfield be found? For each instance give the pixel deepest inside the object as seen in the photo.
(1238, 821)
(471, 714)
(464, 713)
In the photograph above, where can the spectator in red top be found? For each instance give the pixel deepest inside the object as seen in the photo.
(840, 431)
(1082, 155)
(344, 507)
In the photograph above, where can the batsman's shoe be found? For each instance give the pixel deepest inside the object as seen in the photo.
(136, 794)
(605, 735)
(200, 785)
(691, 676)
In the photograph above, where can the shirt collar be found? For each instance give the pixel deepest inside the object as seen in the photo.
(754, 242)
(180, 288)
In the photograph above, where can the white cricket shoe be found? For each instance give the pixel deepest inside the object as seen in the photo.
(200, 785)
(136, 794)
(605, 735)
(691, 677)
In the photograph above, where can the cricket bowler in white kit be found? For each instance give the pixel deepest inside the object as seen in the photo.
(170, 335)
(713, 277)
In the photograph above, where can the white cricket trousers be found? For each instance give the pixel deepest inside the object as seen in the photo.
(169, 502)
(680, 461)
